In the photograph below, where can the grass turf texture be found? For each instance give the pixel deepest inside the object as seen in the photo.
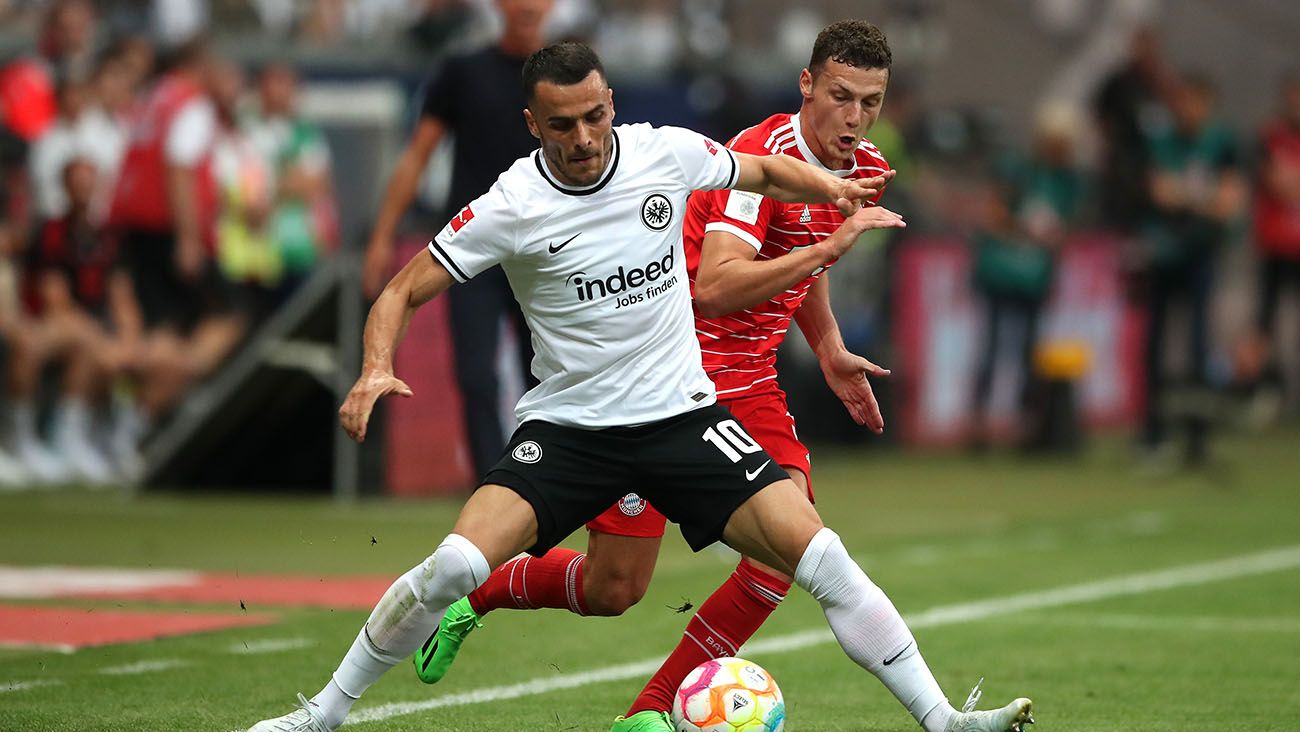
(933, 531)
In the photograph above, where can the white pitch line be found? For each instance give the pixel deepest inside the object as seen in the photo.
(7, 686)
(144, 667)
(1179, 623)
(64, 648)
(1187, 575)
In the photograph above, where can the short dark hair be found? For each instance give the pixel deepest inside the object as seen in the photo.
(854, 42)
(564, 64)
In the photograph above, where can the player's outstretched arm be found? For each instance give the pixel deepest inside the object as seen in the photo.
(420, 281)
(729, 277)
(846, 373)
(788, 179)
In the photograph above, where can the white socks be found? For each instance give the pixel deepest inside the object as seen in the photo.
(869, 628)
(407, 614)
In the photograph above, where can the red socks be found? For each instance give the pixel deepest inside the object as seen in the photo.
(731, 615)
(527, 583)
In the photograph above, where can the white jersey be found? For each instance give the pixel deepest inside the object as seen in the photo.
(600, 275)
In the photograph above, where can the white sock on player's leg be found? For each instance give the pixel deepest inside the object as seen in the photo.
(869, 628)
(404, 618)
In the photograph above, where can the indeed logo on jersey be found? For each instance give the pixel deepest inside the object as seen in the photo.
(627, 281)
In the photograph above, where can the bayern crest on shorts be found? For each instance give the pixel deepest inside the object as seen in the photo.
(631, 504)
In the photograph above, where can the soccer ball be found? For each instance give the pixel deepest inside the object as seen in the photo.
(728, 695)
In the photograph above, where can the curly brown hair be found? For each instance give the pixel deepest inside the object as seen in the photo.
(854, 42)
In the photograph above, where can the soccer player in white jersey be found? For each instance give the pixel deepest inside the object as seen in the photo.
(755, 265)
(588, 230)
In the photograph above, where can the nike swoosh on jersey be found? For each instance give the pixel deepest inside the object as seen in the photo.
(751, 476)
(553, 249)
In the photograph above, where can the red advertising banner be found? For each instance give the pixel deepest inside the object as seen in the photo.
(425, 451)
(939, 327)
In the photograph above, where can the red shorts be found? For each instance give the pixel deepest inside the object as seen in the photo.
(765, 417)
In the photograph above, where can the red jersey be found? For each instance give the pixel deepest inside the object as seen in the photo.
(80, 253)
(1277, 221)
(141, 200)
(739, 350)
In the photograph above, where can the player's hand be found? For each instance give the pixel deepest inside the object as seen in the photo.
(377, 266)
(354, 415)
(846, 374)
(864, 219)
(874, 217)
(855, 193)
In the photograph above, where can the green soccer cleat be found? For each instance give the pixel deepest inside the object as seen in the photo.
(436, 655)
(646, 721)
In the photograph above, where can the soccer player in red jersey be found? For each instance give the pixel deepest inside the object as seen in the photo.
(755, 265)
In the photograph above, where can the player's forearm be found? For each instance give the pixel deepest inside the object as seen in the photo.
(738, 284)
(817, 321)
(787, 179)
(420, 281)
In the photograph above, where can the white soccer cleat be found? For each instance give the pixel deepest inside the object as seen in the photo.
(307, 718)
(1011, 718)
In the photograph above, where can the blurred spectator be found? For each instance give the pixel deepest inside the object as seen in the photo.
(165, 203)
(304, 221)
(87, 317)
(1029, 211)
(136, 56)
(245, 251)
(1277, 237)
(28, 102)
(163, 213)
(1129, 107)
(479, 99)
(1196, 190)
(81, 130)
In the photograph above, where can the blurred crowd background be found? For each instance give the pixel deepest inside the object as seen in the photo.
(1103, 200)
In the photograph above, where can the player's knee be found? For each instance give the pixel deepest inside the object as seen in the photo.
(615, 595)
(453, 571)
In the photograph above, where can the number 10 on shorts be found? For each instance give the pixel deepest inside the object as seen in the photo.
(731, 439)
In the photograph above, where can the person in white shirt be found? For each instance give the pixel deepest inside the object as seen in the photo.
(588, 231)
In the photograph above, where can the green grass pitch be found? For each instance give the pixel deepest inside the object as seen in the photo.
(1005, 567)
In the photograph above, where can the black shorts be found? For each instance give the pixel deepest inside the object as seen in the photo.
(696, 468)
(167, 299)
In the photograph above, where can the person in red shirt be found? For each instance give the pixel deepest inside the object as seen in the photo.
(1276, 228)
(755, 265)
(163, 214)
